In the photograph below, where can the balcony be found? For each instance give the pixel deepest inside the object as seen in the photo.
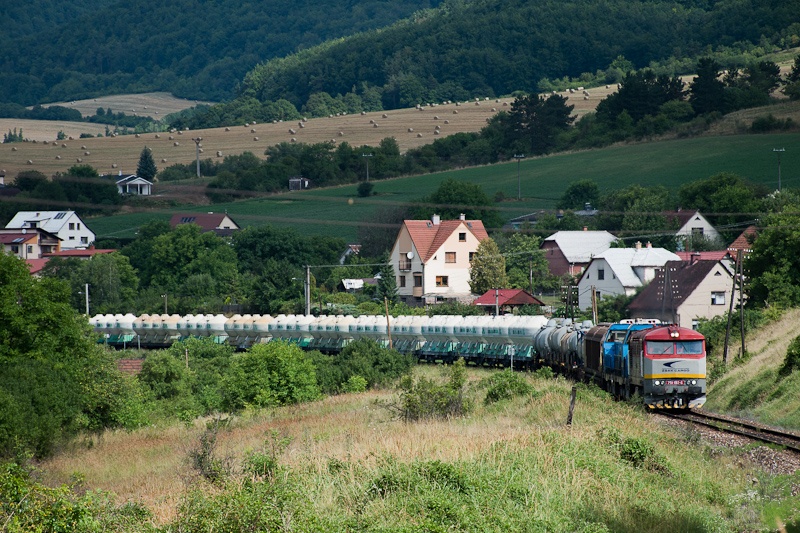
(404, 265)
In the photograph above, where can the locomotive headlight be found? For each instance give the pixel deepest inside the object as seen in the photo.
(694, 382)
(656, 382)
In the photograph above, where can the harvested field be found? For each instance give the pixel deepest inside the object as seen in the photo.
(121, 153)
(155, 105)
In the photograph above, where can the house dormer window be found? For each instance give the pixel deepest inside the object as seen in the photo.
(462, 237)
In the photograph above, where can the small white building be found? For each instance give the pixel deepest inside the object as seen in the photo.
(693, 224)
(621, 271)
(66, 225)
(432, 259)
(134, 185)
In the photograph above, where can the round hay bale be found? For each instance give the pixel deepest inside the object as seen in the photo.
(477, 99)
(113, 165)
(201, 150)
(385, 115)
(447, 122)
(305, 119)
(608, 86)
(83, 147)
(437, 128)
(219, 153)
(505, 104)
(436, 132)
(477, 103)
(419, 135)
(363, 113)
(294, 139)
(171, 137)
(180, 132)
(292, 131)
(163, 160)
(176, 143)
(410, 130)
(253, 130)
(455, 111)
(254, 123)
(55, 143)
(375, 125)
(436, 117)
(172, 130)
(458, 104)
(63, 145)
(494, 110)
(341, 134)
(227, 129)
(246, 124)
(30, 162)
(371, 121)
(79, 160)
(158, 136)
(13, 148)
(70, 138)
(255, 138)
(137, 135)
(58, 157)
(302, 125)
(87, 152)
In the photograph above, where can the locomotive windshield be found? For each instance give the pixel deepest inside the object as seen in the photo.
(670, 347)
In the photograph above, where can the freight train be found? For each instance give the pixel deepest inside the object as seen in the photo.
(664, 364)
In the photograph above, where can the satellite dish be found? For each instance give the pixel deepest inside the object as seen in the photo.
(24, 231)
(410, 255)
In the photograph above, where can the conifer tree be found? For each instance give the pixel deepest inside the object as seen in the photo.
(147, 166)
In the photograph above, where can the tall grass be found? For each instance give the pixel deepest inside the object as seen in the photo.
(512, 465)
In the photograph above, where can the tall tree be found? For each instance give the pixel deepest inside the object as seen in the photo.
(147, 166)
(488, 268)
(642, 93)
(792, 84)
(578, 194)
(707, 91)
(387, 285)
(536, 122)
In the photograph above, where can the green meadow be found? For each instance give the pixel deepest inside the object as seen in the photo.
(338, 211)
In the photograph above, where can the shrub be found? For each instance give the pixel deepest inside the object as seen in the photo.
(363, 359)
(506, 385)
(204, 457)
(792, 359)
(365, 189)
(268, 375)
(264, 463)
(424, 398)
(355, 383)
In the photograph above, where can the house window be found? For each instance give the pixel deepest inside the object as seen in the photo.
(462, 237)
(402, 281)
(449, 257)
(30, 249)
(442, 281)
(601, 274)
(72, 225)
(78, 226)
(14, 249)
(84, 240)
(697, 232)
(717, 298)
(71, 237)
(418, 280)
(471, 255)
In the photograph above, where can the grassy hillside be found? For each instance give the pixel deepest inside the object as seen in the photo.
(338, 211)
(753, 387)
(512, 466)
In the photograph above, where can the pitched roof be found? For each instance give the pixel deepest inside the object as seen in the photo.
(681, 216)
(429, 237)
(130, 366)
(16, 238)
(81, 252)
(623, 261)
(682, 279)
(206, 221)
(581, 246)
(51, 221)
(507, 297)
(744, 242)
(713, 255)
(36, 265)
(133, 177)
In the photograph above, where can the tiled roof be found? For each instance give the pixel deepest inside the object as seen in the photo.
(16, 238)
(581, 246)
(36, 265)
(681, 216)
(622, 261)
(744, 241)
(206, 221)
(130, 366)
(429, 237)
(51, 221)
(713, 255)
(87, 252)
(683, 278)
(508, 297)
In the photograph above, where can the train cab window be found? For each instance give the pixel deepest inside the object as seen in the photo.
(689, 347)
(660, 347)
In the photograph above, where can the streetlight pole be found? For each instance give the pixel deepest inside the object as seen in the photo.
(519, 157)
(87, 299)
(779, 151)
(197, 153)
(368, 155)
(165, 303)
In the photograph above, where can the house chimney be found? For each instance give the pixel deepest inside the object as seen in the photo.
(586, 228)
(695, 257)
(649, 244)
(638, 245)
(462, 216)
(435, 219)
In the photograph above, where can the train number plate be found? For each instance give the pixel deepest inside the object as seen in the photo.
(675, 382)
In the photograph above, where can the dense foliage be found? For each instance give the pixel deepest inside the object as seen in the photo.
(199, 49)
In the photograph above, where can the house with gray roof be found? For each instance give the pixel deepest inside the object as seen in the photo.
(66, 225)
(684, 292)
(619, 271)
(569, 252)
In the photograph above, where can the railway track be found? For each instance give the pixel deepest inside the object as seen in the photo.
(753, 430)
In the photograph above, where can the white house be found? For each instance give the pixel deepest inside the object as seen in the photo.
(66, 225)
(134, 185)
(432, 259)
(693, 224)
(685, 292)
(621, 271)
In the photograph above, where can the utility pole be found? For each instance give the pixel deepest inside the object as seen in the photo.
(308, 290)
(197, 153)
(594, 305)
(519, 157)
(496, 302)
(779, 151)
(367, 155)
(165, 303)
(86, 293)
(741, 295)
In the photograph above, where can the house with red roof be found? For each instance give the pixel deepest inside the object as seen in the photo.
(743, 243)
(432, 259)
(219, 223)
(29, 243)
(505, 300)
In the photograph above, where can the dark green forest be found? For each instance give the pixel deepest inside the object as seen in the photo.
(53, 51)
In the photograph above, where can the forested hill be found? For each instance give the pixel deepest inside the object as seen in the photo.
(494, 47)
(54, 51)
